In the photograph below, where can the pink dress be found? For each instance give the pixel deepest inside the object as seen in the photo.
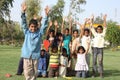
(81, 64)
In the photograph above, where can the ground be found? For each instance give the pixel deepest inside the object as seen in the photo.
(9, 58)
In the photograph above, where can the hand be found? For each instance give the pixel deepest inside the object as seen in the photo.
(56, 23)
(23, 7)
(50, 23)
(105, 16)
(47, 10)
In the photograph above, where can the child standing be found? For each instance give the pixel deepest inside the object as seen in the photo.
(63, 63)
(32, 44)
(42, 65)
(54, 61)
(81, 65)
(98, 45)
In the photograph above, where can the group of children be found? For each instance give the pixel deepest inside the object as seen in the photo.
(68, 50)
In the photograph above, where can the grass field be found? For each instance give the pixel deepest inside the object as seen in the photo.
(9, 58)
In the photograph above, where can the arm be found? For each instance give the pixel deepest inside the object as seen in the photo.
(62, 26)
(88, 46)
(23, 17)
(45, 21)
(104, 20)
(70, 26)
(56, 26)
(91, 25)
(47, 31)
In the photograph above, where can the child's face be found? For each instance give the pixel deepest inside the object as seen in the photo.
(42, 53)
(99, 30)
(86, 33)
(32, 28)
(75, 34)
(54, 50)
(81, 51)
(66, 32)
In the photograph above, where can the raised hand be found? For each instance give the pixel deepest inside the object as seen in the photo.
(50, 23)
(104, 17)
(56, 23)
(47, 9)
(23, 7)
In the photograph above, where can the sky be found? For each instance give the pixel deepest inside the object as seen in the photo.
(96, 7)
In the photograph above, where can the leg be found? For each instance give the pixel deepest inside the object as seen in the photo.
(78, 73)
(28, 69)
(20, 67)
(94, 60)
(51, 72)
(100, 61)
(83, 74)
(35, 69)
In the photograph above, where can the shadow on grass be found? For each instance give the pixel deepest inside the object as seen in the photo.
(108, 73)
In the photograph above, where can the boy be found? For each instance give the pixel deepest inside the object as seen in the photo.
(42, 65)
(32, 44)
(98, 45)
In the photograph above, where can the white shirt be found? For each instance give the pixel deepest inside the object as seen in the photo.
(98, 40)
(75, 44)
(84, 41)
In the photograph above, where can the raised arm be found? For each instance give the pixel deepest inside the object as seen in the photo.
(56, 26)
(70, 26)
(91, 25)
(45, 21)
(23, 17)
(104, 20)
(47, 31)
(62, 26)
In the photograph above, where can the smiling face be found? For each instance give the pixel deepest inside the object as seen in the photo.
(33, 28)
(75, 34)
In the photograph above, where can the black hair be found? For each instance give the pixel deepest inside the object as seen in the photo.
(42, 56)
(43, 50)
(67, 29)
(99, 26)
(54, 47)
(86, 29)
(75, 31)
(81, 47)
(51, 30)
(64, 52)
(33, 21)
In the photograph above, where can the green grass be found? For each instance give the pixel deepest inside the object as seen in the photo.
(9, 58)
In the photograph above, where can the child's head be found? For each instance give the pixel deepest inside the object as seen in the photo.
(51, 32)
(99, 29)
(54, 49)
(42, 54)
(66, 31)
(86, 32)
(75, 33)
(64, 52)
(81, 50)
(33, 25)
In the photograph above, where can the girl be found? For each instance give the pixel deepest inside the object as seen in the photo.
(63, 63)
(81, 65)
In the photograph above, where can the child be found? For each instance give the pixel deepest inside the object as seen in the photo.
(98, 45)
(81, 65)
(32, 44)
(54, 61)
(63, 63)
(42, 64)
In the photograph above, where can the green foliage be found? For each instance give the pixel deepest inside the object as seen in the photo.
(75, 7)
(113, 33)
(56, 11)
(33, 8)
(4, 7)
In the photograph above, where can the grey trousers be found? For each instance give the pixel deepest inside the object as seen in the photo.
(97, 55)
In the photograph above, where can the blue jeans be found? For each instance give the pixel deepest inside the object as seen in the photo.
(81, 73)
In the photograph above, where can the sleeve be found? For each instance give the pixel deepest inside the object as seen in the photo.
(24, 23)
(44, 25)
(93, 31)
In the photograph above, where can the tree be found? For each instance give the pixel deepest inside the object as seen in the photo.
(113, 33)
(56, 11)
(33, 8)
(75, 7)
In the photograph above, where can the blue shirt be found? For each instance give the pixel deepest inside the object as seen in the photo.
(32, 42)
(42, 63)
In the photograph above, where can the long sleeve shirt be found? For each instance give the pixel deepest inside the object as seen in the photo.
(32, 42)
